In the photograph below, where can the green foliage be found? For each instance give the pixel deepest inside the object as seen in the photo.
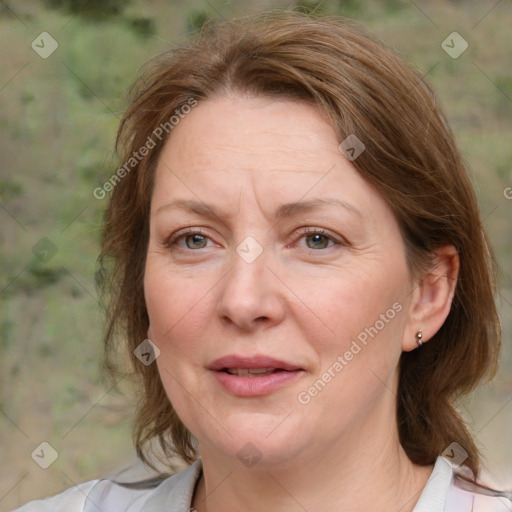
(41, 276)
(9, 189)
(96, 9)
(350, 8)
(45, 350)
(142, 26)
(393, 7)
(6, 330)
(311, 7)
(196, 19)
(100, 76)
(503, 83)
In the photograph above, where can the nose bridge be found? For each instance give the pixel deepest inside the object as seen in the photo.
(248, 293)
(246, 281)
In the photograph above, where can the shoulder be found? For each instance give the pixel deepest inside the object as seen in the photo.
(444, 493)
(488, 504)
(174, 493)
(484, 495)
(71, 500)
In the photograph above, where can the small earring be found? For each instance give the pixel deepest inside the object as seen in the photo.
(419, 335)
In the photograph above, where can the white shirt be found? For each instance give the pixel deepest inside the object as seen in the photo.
(175, 495)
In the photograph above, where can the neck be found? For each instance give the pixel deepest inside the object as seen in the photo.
(361, 471)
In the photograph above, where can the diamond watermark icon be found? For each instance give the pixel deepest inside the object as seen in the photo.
(44, 250)
(352, 147)
(45, 455)
(249, 249)
(454, 45)
(249, 455)
(44, 45)
(147, 352)
(455, 454)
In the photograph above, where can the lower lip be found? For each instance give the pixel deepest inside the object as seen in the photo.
(256, 386)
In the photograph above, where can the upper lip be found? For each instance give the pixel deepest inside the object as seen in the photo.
(250, 362)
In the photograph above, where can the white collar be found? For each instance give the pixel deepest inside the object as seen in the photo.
(440, 494)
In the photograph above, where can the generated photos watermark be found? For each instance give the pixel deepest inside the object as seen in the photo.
(147, 352)
(136, 157)
(305, 397)
(45, 455)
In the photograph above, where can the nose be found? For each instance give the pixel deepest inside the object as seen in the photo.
(251, 296)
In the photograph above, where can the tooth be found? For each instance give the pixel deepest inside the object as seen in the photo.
(250, 372)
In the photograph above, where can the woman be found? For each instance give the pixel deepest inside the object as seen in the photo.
(293, 229)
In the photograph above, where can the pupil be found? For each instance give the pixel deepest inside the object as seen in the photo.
(197, 241)
(319, 241)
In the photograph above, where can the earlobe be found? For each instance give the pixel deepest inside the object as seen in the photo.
(419, 337)
(433, 298)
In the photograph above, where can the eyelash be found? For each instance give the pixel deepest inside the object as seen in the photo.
(306, 231)
(173, 239)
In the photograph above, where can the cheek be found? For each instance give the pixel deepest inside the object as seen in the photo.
(178, 314)
(170, 298)
(365, 313)
(346, 305)
(357, 364)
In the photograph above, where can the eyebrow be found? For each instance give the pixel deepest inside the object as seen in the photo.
(284, 210)
(299, 207)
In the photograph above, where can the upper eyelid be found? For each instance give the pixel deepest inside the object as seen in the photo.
(174, 237)
(308, 231)
(337, 239)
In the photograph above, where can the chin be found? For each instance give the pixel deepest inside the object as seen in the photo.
(260, 441)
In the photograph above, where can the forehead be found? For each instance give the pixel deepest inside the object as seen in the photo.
(240, 146)
(228, 131)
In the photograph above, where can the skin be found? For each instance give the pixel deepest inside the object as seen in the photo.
(303, 300)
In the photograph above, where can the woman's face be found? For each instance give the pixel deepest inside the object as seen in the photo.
(276, 283)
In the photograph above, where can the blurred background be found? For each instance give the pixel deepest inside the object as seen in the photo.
(65, 66)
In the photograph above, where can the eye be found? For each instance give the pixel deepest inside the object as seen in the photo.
(317, 238)
(195, 241)
(191, 239)
(317, 241)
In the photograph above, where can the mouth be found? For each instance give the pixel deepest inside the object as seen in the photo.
(251, 372)
(253, 376)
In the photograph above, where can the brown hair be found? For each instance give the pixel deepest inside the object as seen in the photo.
(410, 157)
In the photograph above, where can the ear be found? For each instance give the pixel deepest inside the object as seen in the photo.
(432, 297)
(150, 333)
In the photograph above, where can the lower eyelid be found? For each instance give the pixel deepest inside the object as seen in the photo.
(334, 244)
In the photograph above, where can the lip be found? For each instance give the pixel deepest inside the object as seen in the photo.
(254, 386)
(250, 362)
